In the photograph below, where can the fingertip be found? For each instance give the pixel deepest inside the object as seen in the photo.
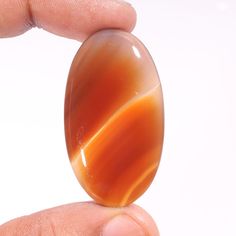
(79, 19)
(105, 14)
(144, 219)
(130, 17)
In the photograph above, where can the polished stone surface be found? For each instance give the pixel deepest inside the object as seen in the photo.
(114, 119)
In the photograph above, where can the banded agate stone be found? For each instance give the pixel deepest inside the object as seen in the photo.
(114, 117)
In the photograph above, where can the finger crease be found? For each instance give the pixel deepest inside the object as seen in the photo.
(31, 19)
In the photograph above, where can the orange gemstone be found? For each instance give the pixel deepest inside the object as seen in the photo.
(114, 119)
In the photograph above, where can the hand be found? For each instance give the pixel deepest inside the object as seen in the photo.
(69, 18)
(75, 19)
(83, 219)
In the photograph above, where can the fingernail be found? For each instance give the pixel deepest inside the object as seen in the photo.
(122, 225)
(124, 2)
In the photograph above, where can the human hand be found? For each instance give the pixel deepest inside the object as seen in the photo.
(75, 19)
(83, 219)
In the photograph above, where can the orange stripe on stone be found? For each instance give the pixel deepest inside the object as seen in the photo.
(122, 143)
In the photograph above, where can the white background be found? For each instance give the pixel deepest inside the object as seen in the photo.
(194, 46)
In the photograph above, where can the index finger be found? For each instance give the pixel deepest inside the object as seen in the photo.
(74, 19)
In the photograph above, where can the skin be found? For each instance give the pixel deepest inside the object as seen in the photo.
(75, 19)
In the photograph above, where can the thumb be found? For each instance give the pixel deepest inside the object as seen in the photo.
(85, 218)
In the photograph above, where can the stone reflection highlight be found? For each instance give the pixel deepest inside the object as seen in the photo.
(114, 119)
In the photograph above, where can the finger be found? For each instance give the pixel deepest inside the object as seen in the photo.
(69, 18)
(83, 219)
